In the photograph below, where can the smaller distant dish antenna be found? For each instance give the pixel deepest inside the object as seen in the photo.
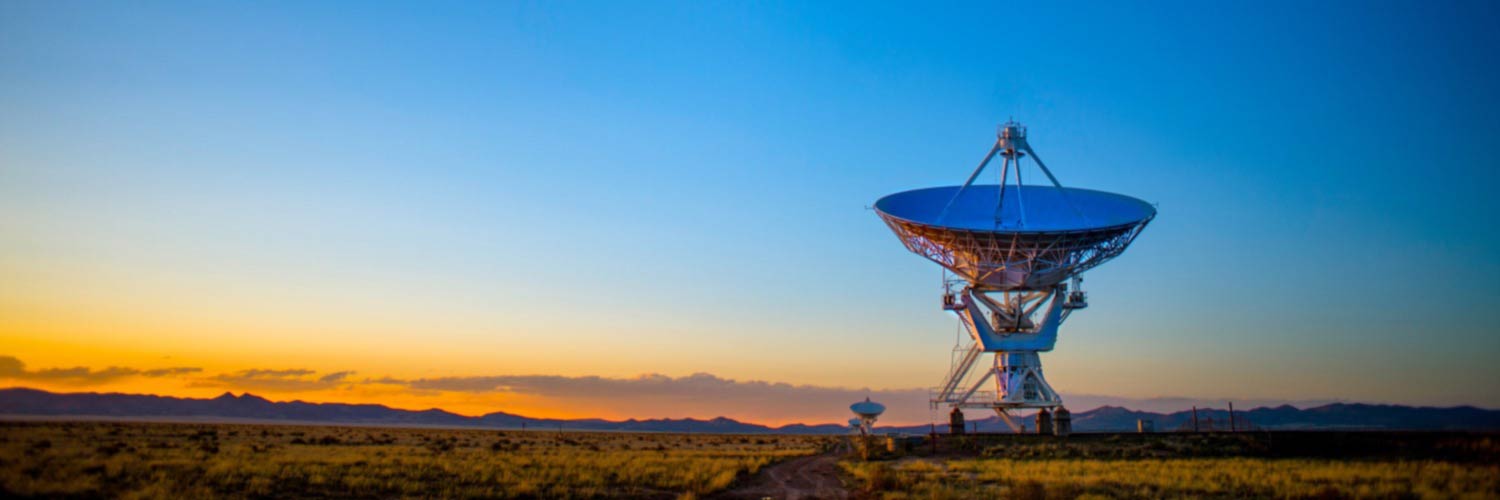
(867, 411)
(855, 424)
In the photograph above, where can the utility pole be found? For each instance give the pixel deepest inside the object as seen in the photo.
(1195, 419)
(1231, 416)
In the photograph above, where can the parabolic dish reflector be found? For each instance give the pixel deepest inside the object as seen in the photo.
(867, 408)
(1032, 239)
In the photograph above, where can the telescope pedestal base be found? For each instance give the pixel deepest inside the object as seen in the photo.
(1019, 385)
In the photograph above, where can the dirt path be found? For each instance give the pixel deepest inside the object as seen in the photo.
(811, 477)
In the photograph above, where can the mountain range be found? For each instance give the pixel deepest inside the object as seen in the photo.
(24, 402)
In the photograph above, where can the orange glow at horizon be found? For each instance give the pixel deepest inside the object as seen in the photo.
(461, 403)
(105, 320)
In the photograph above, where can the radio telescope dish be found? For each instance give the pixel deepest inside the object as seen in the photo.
(1014, 249)
(1021, 238)
(867, 411)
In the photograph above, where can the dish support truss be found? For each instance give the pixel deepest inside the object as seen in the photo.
(1015, 297)
(866, 426)
(1015, 327)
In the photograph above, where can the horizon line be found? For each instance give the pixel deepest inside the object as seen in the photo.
(244, 394)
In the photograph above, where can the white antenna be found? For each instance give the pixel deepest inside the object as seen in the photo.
(1015, 268)
(866, 412)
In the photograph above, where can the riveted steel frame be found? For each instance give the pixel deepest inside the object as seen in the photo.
(1042, 259)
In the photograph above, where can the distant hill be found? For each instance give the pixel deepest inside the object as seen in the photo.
(23, 401)
(32, 402)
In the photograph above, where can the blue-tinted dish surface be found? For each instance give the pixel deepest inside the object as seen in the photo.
(1047, 209)
(867, 408)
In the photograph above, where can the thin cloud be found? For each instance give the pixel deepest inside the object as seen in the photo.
(296, 372)
(13, 368)
(699, 394)
(647, 385)
(167, 372)
(289, 380)
(335, 377)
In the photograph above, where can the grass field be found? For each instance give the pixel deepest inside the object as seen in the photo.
(1175, 478)
(1351, 465)
(150, 460)
(156, 460)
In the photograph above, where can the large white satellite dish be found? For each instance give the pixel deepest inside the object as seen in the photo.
(1014, 249)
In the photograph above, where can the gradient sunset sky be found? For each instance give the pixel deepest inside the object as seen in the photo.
(641, 209)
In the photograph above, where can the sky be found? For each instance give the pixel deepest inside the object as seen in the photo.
(644, 209)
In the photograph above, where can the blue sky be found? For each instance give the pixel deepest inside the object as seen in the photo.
(618, 188)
